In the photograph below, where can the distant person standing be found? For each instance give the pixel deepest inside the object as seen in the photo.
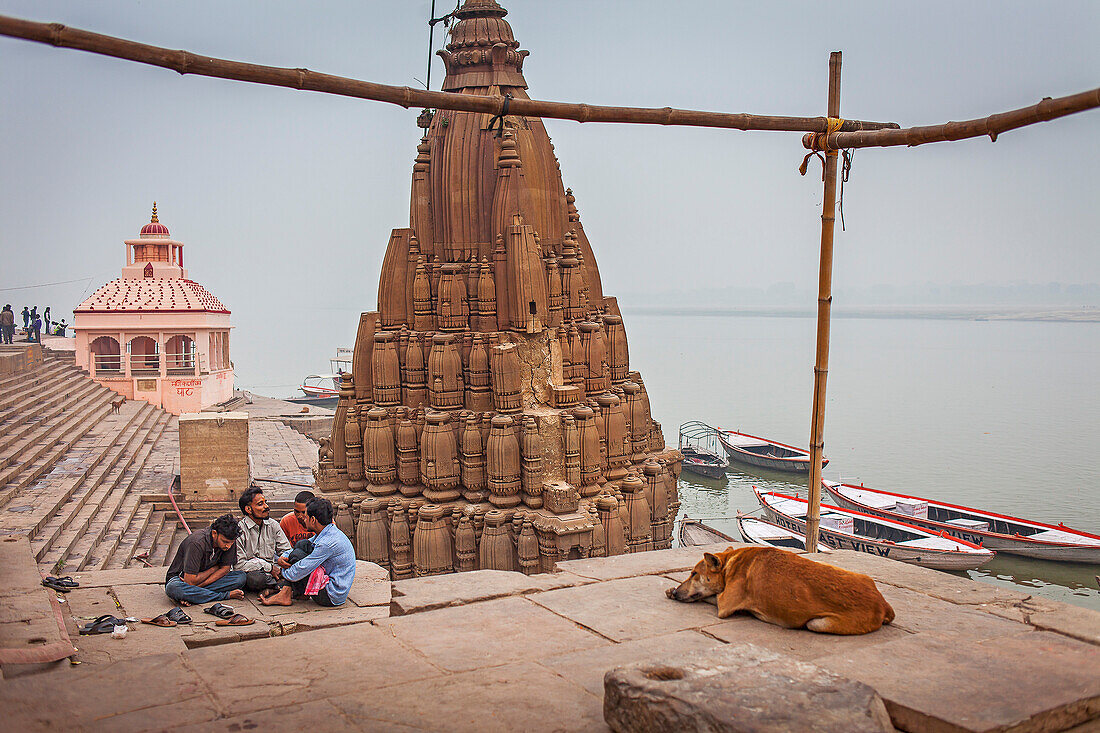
(46, 320)
(7, 324)
(26, 320)
(37, 328)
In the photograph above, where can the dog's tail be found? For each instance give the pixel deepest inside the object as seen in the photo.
(888, 612)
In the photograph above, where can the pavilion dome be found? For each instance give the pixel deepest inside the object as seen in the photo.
(154, 228)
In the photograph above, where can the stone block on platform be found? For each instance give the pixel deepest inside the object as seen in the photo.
(738, 689)
(213, 455)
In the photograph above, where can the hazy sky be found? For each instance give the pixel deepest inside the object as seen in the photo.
(285, 199)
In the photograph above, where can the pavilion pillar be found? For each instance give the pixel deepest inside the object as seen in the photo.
(124, 353)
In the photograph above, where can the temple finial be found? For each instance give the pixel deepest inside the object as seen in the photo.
(154, 220)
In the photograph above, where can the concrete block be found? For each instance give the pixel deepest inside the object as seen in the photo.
(213, 455)
(738, 689)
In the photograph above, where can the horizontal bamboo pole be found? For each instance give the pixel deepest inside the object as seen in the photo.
(186, 62)
(994, 125)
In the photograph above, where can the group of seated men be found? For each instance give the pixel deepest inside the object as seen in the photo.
(303, 556)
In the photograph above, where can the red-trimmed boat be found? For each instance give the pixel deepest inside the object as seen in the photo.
(765, 453)
(844, 529)
(998, 532)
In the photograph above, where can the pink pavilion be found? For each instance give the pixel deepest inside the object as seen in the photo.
(153, 334)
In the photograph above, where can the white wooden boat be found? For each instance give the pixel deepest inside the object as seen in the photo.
(693, 533)
(762, 532)
(844, 529)
(765, 453)
(998, 532)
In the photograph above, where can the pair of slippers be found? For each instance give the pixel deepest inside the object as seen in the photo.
(105, 624)
(227, 616)
(61, 585)
(175, 617)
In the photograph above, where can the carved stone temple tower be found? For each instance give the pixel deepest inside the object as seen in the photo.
(491, 418)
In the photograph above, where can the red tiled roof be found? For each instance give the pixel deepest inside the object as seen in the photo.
(152, 294)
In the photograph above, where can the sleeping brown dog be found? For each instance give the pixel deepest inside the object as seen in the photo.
(787, 590)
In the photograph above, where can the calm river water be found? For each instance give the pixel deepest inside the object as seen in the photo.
(992, 414)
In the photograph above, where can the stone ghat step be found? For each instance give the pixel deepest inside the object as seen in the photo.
(95, 549)
(86, 518)
(31, 382)
(146, 540)
(70, 432)
(97, 454)
(25, 423)
(125, 545)
(36, 400)
(12, 384)
(74, 405)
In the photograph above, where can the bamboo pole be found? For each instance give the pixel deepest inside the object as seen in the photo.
(186, 62)
(994, 125)
(824, 313)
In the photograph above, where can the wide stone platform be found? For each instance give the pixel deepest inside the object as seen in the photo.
(500, 651)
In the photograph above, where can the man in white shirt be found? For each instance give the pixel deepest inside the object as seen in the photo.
(261, 541)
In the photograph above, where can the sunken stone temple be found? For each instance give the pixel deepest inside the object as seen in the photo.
(491, 419)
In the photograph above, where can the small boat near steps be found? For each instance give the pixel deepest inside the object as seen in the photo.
(765, 453)
(998, 532)
(844, 529)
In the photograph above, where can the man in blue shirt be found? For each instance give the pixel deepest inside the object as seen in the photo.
(332, 552)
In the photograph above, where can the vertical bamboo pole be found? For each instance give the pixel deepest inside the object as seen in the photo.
(824, 312)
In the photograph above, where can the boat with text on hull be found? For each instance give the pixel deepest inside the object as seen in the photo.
(765, 453)
(762, 532)
(998, 532)
(844, 529)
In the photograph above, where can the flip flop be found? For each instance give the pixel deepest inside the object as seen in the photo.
(54, 584)
(161, 620)
(235, 620)
(65, 582)
(220, 610)
(103, 625)
(177, 615)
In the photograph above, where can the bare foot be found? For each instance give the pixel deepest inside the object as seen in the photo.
(238, 594)
(184, 604)
(282, 598)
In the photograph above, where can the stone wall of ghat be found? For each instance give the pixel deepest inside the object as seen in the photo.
(491, 418)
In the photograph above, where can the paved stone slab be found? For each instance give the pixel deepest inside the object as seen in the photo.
(1042, 613)
(797, 644)
(920, 614)
(114, 578)
(489, 633)
(513, 697)
(629, 608)
(271, 673)
(1032, 681)
(457, 589)
(945, 586)
(139, 694)
(735, 690)
(587, 667)
(316, 715)
(371, 586)
(20, 570)
(641, 563)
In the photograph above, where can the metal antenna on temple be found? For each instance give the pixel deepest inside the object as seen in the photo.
(446, 21)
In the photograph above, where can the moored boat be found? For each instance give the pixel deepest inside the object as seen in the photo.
(998, 532)
(323, 390)
(844, 529)
(693, 532)
(698, 444)
(765, 453)
(762, 532)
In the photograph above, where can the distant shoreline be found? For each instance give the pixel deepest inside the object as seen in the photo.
(956, 313)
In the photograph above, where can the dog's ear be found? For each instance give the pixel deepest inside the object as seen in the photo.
(713, 563)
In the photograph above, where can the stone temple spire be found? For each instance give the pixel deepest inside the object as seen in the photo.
(495, 374)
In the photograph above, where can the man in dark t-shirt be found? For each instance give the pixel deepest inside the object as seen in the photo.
(202, 570)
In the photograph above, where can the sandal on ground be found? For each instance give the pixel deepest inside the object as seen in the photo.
(177, 615)
(235, 620)
(65, 581)
(58, 585)
(220, 610)
(161, 620)
(103, 625)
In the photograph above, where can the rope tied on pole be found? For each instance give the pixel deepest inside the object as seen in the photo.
(819, 141)
(496, 123)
